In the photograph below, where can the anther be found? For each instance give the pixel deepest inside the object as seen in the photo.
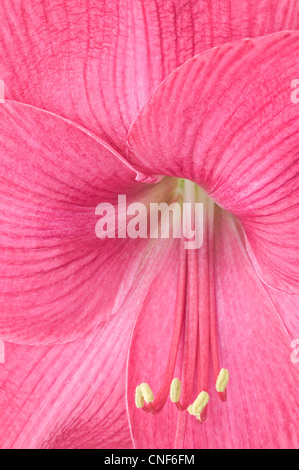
(147, 392)
(139, 400)
(175, 390)
(222, 380)
(143, 393)
(198, 405)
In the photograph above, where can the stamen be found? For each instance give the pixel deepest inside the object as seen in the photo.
(196, 288)
(222, 380)
(213, 323)
(191, 333)
(146, 392)
(203, 352)
(143, 393)
(159, 402)
(198, 405)
(139, 400)
(200, 416)
(175, 390)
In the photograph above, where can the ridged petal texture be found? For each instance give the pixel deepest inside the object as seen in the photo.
(98, 62)
(228, 123)
(254, 345)
(76, 76)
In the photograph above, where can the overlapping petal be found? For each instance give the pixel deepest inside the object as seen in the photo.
(98, 62)
(57, 279)
(261, 410)
(228, 123)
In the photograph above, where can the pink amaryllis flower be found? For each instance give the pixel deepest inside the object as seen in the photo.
(105, 98)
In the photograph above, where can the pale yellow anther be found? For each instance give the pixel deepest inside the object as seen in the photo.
(175, 390)
(139, 400)
(222, 380)
(143, 393)
(190, 410)
(146, 392)
(198, 405)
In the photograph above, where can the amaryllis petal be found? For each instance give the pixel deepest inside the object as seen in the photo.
(226, 120)
(66, 396)
(98, 62)
(253, 346)
(287, 307)
(54, 272)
